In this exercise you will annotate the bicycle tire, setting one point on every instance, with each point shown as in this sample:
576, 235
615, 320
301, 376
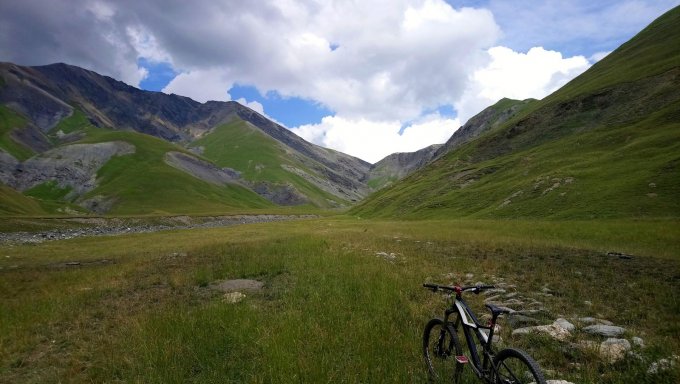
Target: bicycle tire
514, 366
440, 348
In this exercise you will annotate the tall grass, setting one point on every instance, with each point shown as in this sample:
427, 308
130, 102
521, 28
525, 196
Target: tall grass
333, 309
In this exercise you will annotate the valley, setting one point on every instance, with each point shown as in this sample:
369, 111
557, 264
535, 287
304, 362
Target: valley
147, 237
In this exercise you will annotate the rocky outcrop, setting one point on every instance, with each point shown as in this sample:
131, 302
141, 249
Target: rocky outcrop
72, 166
201, 169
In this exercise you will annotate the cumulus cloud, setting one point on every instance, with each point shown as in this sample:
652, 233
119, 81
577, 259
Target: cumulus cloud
376, 63
373, 140
517, 75
202, 85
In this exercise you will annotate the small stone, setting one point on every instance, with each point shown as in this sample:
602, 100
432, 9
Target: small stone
593, 320
588, 303
564, 324
554, 330
663, 365
512, 302
558, 382
233, 297
638, 342
491, 292
469, 276
605, 330
511, 295
614, 349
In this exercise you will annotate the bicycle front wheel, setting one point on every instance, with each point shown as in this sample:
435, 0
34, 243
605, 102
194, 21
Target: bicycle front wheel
440, 348
514, 366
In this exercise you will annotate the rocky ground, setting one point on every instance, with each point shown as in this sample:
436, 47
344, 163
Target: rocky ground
119, 226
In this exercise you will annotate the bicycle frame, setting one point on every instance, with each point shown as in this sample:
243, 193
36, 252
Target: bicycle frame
473, 328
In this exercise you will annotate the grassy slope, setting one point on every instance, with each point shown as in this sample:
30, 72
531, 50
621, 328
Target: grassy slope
142, 183
10, 121
331, 310
14, 203
258, 157
607, 169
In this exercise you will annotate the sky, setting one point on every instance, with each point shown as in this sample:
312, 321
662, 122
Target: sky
366, 77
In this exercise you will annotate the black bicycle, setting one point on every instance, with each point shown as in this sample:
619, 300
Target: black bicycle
444, 354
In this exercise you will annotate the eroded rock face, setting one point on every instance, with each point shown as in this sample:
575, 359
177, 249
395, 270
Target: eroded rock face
201, 169
73, 166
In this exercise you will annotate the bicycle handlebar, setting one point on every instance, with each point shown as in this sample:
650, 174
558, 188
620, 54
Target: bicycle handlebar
476, 289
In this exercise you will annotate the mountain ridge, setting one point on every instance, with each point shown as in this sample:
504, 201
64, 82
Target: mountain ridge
604, 145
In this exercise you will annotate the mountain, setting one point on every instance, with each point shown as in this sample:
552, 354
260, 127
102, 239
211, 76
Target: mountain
77, 140
606, 145
396, 166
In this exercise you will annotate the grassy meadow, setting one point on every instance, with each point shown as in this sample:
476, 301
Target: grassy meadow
342, 300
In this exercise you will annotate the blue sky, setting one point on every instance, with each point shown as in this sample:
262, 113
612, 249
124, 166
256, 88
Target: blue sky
366, 78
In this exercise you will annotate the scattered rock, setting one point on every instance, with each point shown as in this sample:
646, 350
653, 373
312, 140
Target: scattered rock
387, 256
604, 330
554, 330
620, 255
565, 324
614, 350
558, 382
592, 320
491, 292
233, 297
638, 342
662, 365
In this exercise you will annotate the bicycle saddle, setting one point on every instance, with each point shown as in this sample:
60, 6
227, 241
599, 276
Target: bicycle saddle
495, 311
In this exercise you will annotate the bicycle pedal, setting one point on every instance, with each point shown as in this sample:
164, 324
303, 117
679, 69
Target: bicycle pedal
462, 359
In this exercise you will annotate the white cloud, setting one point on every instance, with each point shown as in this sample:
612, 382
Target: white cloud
254, 105
202, 85
373, 140
517, 75
375, 63
597, 56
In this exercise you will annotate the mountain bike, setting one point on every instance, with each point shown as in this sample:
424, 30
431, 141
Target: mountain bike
444, 354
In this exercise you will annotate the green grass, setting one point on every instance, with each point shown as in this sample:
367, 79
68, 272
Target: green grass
609, 172
15, 203
49, 190
9, 121
331, 310
78, 121
258, 157
609, 153
142, 183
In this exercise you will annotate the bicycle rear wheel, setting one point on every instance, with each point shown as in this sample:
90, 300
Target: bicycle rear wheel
514, 366
440, 348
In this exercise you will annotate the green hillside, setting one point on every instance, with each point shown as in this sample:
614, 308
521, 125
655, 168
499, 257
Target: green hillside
14, 203
143, 183
138, 183
259, 158
9, 121
606, 145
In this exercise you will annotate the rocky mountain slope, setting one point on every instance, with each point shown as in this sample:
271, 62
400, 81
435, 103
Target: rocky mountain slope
605, 145
55, 109
399, 165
